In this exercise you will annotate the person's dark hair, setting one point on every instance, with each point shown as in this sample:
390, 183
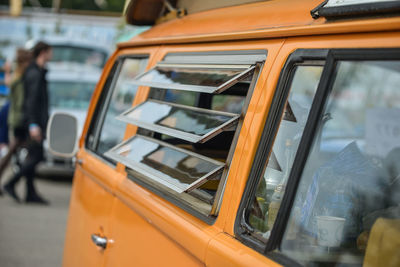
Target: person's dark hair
22, 59
23, 56
39, 48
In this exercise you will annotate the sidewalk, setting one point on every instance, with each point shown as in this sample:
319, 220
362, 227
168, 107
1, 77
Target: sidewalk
32, 235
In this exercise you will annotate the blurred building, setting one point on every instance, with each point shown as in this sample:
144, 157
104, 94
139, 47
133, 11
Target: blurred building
44, 24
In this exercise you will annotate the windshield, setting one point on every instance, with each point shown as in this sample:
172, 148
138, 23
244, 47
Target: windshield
87, 56
69, 94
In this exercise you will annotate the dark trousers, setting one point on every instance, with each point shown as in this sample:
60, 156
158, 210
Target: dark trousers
28, 166
20, 137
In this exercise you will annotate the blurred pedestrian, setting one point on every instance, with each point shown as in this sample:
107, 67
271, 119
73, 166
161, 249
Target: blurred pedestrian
4, 129
17, 132
5, 75
4, 83
36, 114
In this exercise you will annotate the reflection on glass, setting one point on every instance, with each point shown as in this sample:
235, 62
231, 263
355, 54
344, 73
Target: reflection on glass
178, 167
228, 103
190, 76
177, 117
273, 183
347, 207
186, 98
122, 97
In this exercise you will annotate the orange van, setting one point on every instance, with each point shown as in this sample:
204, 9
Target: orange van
256, 133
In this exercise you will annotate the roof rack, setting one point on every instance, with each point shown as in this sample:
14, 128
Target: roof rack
339, 9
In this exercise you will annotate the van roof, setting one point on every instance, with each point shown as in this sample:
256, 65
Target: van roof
276, 18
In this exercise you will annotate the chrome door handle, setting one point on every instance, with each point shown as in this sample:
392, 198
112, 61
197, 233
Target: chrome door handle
99, 241
75, 161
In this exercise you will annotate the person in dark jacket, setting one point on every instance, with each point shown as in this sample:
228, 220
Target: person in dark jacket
36, 115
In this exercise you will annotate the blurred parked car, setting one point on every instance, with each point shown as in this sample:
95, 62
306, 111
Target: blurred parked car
74, 51
70, 89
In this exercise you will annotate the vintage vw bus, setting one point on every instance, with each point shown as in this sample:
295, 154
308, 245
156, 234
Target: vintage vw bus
256, 134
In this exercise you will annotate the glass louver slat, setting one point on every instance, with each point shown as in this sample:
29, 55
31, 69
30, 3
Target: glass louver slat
212, 79
176, 168
195, 125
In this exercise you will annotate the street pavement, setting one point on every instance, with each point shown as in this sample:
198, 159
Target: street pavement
33, 235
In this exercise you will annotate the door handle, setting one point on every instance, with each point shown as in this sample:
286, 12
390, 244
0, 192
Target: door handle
76, 160
99, 241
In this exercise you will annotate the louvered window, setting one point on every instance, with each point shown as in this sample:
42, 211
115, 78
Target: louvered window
186, 147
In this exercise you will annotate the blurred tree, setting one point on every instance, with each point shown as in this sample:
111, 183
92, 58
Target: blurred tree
45, 3
115, 5
79, 5
42, 32
98, 5
28, 31
95, 5
57, 27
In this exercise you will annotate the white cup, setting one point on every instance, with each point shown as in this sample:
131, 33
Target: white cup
330, 230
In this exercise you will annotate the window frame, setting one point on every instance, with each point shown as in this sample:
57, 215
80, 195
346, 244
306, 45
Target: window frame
102, 105
328, 76
308, 57
245, 57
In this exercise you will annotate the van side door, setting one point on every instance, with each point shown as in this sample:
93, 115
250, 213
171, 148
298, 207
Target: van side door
96, 175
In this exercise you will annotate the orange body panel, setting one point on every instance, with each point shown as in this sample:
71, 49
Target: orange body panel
226, 251
90, 206
146, 229
189, 233
138, 242
237, 19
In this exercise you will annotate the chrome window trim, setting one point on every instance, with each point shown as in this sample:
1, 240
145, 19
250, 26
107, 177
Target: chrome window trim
216, 57
194, 138
243, 67
163, 179
107, 101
